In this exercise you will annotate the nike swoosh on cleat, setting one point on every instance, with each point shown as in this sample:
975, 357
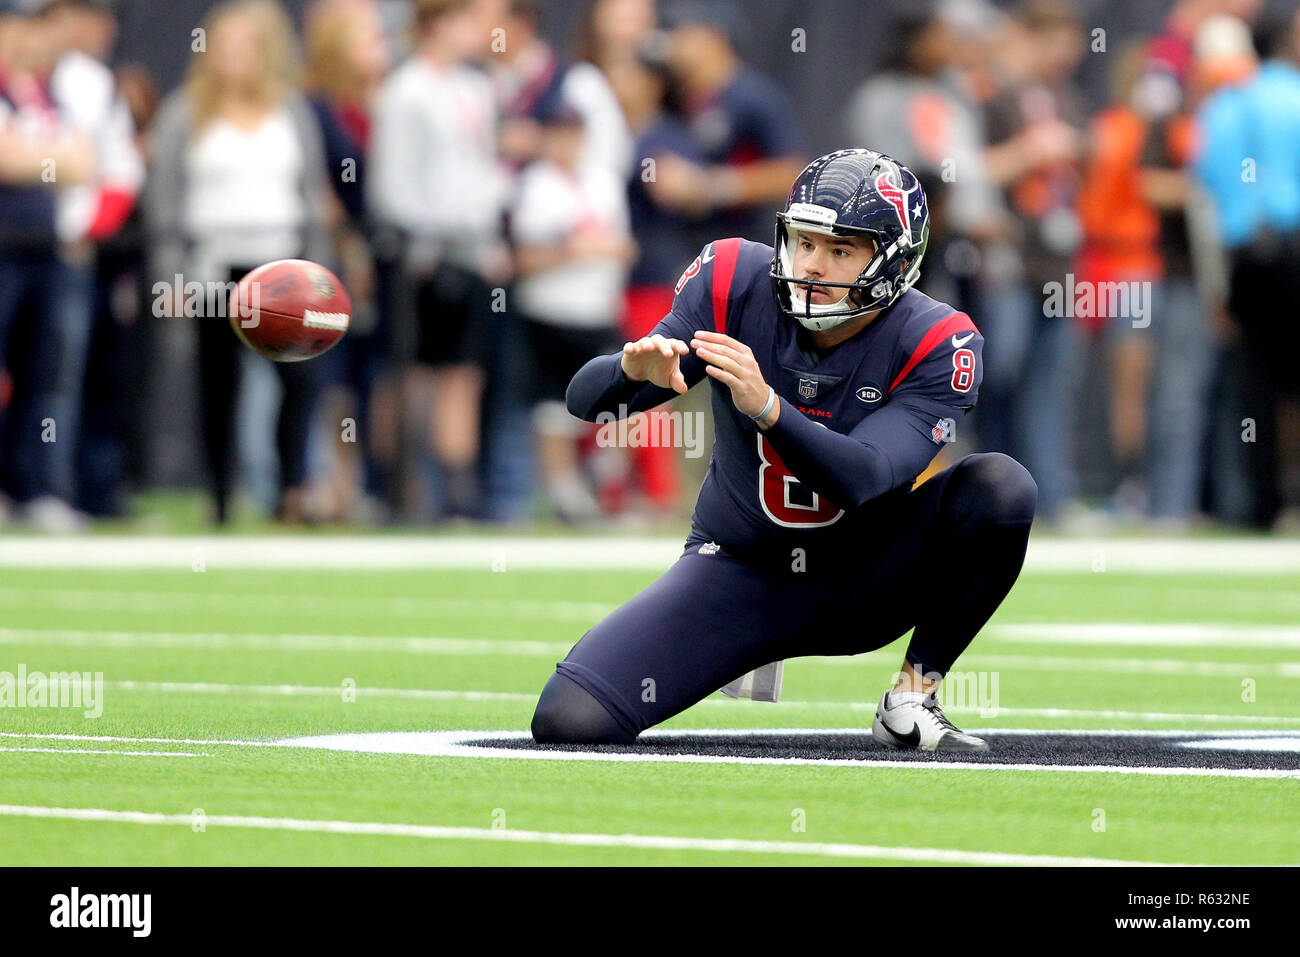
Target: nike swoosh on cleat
910, 740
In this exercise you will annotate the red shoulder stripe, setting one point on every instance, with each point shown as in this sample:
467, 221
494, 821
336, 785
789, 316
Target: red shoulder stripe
725, 254
957, 322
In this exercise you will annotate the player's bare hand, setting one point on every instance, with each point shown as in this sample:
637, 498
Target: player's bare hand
732, 362
657, 360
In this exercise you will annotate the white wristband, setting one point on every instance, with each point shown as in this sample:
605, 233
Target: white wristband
771, 401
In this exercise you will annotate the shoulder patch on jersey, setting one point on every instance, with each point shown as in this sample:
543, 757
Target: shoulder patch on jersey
869, 394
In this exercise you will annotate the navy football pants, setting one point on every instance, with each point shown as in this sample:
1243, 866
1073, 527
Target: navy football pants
710, 618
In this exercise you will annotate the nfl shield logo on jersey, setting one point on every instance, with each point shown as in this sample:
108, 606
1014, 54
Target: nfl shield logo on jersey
807, 388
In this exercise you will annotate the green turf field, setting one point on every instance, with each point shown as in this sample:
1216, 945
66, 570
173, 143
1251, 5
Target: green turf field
201, 671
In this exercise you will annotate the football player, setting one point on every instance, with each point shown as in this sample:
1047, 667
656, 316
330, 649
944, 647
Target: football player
834, 385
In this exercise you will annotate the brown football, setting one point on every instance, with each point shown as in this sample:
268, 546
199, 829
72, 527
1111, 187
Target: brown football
290, 310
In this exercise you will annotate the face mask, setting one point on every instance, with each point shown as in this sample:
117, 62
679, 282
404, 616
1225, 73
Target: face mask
817, 317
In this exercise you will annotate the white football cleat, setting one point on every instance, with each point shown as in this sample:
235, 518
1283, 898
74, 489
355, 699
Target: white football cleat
912, 720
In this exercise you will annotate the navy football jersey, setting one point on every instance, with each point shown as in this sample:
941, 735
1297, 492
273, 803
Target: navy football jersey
859, 421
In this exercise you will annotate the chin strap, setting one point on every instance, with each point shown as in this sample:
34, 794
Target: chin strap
816, 309
826, 316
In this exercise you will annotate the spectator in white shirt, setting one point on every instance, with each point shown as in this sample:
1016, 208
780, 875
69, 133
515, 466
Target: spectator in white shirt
433, 177
574, 249
238, 180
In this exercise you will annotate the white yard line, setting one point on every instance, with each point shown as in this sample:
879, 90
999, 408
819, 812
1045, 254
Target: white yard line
130, 754
931, 855
1186, 634
85, 638
1164, 556
465, 553
1177, 598
492, 647
324, 691
1199, 635
1112, 715
438, 694
1134, 666
462, 744
110, 738
1156, 556
360, 605
1104, 714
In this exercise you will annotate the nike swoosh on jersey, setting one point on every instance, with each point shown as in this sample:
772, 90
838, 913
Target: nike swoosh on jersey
707, 255
958, 343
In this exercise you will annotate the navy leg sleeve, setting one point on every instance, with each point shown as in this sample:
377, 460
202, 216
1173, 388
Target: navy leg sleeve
568, 714
707, 620
985, 509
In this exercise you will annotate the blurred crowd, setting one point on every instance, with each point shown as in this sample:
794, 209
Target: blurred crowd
501, 210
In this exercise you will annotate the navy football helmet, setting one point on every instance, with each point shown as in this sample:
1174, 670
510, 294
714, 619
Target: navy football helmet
854, 192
